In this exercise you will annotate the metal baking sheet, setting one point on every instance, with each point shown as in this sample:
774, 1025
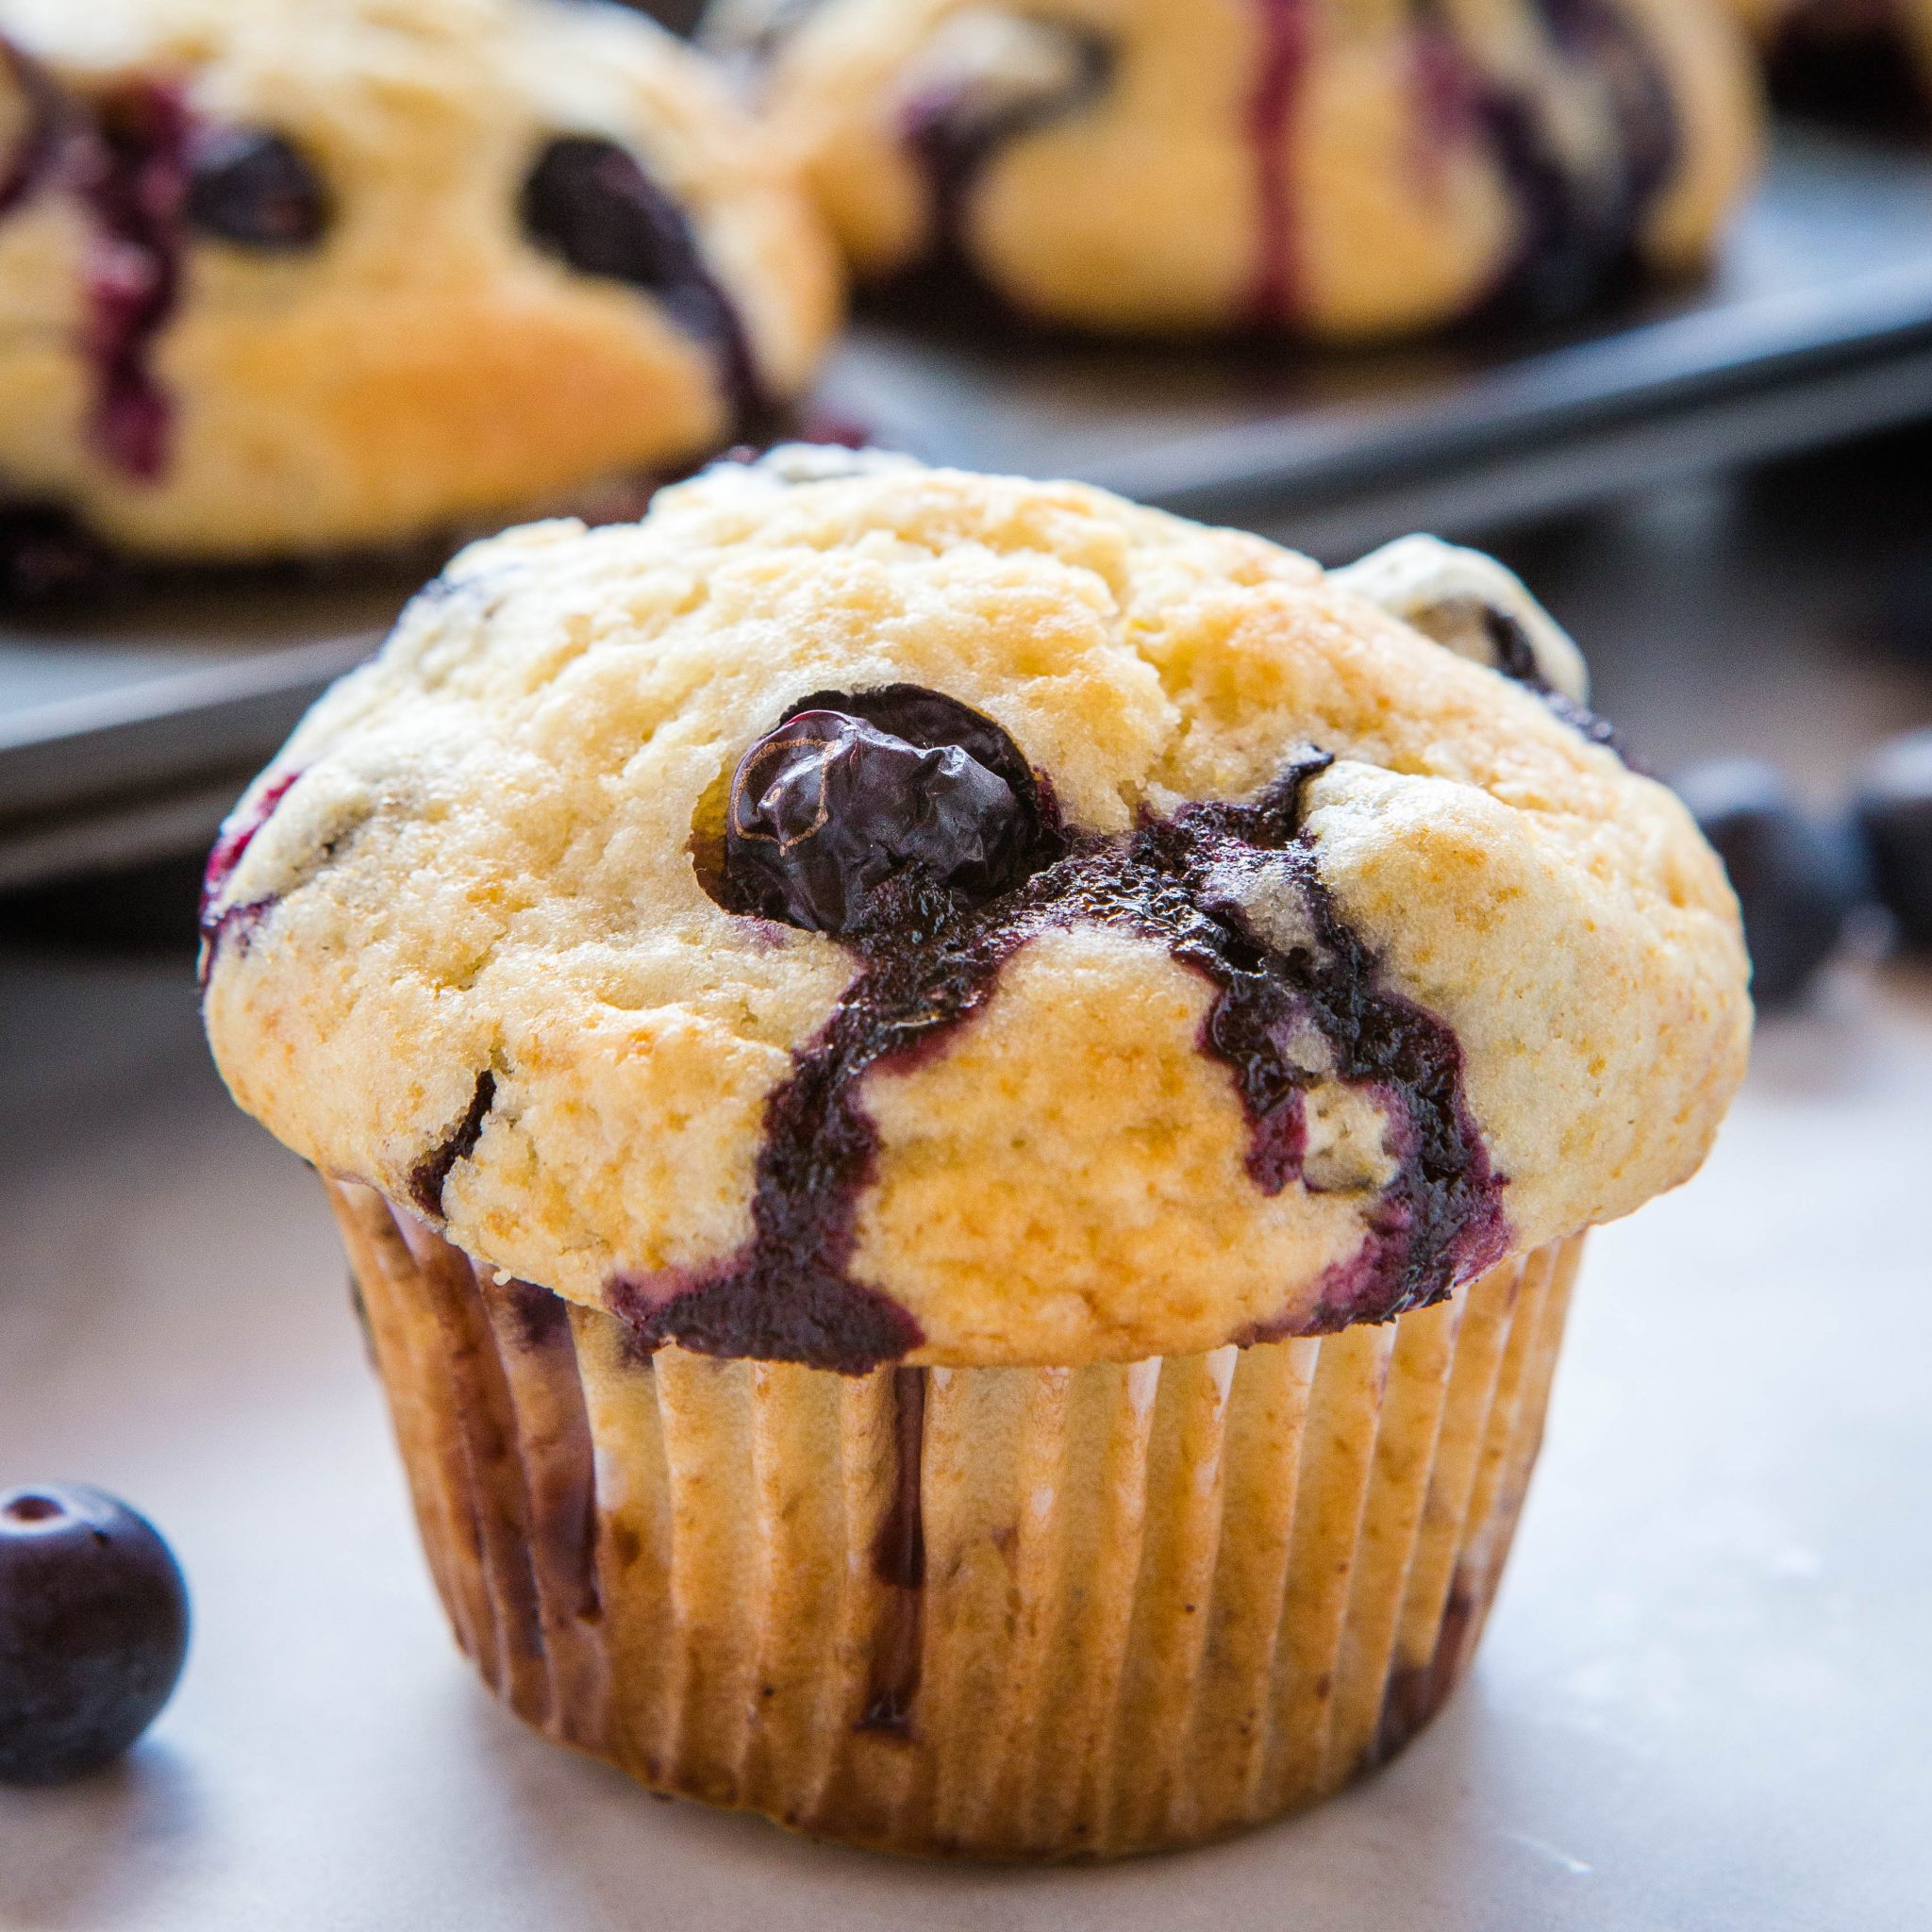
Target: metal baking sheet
121, 736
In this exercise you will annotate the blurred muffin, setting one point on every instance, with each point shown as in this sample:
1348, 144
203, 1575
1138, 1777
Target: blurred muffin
1330, 170
286, 277
965, 1114
1857, 60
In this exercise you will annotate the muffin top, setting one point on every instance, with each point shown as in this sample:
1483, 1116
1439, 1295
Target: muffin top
864, 912
1338, 168
287, 276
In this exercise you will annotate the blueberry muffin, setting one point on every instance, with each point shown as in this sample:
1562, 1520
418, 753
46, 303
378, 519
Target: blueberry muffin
1326, 169
293, 276
1859, 60
965, 1114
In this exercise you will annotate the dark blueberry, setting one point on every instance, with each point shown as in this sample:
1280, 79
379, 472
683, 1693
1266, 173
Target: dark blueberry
589, 203
831, 805
961, 121
46, 124
93, 1630
1895, 813
257, 190
1797, 877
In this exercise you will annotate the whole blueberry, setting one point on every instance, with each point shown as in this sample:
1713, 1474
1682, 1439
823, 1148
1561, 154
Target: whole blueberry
1895, 813
1798, 876
829, 808
93, 1630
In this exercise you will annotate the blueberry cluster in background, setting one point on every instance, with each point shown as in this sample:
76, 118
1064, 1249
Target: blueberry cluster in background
1802, 876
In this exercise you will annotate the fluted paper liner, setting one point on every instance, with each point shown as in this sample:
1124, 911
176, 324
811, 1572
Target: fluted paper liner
1010, 1612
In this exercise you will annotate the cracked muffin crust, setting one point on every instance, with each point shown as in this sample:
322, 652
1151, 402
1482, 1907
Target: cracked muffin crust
303, 275
1327, 169
869, 913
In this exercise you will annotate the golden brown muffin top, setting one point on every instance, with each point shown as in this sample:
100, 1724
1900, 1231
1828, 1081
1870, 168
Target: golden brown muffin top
864, 912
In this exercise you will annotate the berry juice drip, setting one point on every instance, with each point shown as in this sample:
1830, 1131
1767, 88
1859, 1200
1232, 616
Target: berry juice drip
1276, 296
899, 1564
135, 187
930, 957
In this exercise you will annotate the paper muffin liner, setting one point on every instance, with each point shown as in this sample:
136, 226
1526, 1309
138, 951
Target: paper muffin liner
1005, 1612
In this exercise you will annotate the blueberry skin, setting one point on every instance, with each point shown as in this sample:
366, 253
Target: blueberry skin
829, 808
257, 190
93, 1631
1798, 876
1894, 814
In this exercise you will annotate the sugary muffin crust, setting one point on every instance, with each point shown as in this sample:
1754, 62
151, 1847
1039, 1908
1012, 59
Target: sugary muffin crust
1242, 962
297, 275
1335, 168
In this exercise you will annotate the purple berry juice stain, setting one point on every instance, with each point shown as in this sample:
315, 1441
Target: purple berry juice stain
134, 181
930, 950
1276, 296
231, 848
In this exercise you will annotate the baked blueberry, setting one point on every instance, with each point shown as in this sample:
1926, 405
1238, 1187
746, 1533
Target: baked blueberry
256, 188
1894, 814
589, 203
93, 1630
829, 808
1798, 876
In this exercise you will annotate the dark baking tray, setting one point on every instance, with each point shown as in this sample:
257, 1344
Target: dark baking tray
120, 737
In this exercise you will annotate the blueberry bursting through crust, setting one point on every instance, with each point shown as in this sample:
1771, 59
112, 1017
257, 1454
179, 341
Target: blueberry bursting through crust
913, 829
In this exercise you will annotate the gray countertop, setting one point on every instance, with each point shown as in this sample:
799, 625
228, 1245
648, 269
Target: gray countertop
1705, 1700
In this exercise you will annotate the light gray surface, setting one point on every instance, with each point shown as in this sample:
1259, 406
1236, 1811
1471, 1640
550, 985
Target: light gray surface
1704, 1702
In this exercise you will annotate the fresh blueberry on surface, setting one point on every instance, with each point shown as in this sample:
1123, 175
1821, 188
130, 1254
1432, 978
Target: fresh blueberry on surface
829, 807
1798, 876
93, 1630
256, 188
1895, 813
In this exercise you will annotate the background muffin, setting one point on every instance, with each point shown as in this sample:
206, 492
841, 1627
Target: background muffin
965, 1114
300, 275
1183, 165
